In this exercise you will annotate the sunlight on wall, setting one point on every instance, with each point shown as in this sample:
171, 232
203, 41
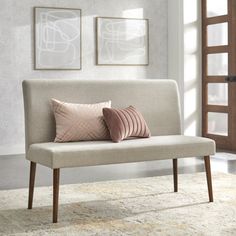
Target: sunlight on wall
190, 11
190, 130
190, 103
190, 68
133, 13
190, 36
192, 74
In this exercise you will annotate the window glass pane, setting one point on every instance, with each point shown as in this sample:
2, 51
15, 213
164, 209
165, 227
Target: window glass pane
218, 94
217, 7
217, 64
217, 34
218, 123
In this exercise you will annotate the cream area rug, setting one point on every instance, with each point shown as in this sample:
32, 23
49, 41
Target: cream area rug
145, 206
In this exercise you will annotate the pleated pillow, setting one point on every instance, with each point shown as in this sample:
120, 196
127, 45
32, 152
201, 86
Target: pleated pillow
124, 123
77, 122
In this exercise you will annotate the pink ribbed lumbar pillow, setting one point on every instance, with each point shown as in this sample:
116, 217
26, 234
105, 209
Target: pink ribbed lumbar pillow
76, 122
124, 123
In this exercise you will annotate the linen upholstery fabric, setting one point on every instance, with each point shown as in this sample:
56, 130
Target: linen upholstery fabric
76, 122
88, 153
124, 123
157, 100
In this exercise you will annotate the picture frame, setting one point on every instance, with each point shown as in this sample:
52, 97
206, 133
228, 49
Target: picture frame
122, 41
57, 38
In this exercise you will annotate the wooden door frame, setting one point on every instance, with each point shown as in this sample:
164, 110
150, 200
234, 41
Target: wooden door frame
224, 142
232, 71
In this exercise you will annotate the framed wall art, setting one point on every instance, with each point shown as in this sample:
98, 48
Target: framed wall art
57, 38
122, 41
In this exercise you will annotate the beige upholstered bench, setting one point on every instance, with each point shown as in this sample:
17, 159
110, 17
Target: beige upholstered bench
158, 101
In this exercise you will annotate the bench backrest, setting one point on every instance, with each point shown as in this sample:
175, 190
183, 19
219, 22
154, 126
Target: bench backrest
157, 100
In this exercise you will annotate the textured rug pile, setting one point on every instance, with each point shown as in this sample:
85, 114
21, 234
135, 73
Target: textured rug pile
145, 206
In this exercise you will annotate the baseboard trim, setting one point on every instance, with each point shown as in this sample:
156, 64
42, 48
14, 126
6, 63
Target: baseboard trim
12, 150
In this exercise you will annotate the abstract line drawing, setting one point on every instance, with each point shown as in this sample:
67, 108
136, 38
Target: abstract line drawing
122, 41
57, 38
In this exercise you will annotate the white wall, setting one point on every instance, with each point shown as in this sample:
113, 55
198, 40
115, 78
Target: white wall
176, 46
184, 59
16, 63
192, 67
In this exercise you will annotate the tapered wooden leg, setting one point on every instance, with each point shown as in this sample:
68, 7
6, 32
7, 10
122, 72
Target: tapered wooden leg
31, 184
175, 174
208, 176
56, 177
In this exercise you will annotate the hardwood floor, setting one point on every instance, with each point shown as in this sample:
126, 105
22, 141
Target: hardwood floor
14, 170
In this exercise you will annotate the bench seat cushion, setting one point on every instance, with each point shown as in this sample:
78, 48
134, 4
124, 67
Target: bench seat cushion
88, 153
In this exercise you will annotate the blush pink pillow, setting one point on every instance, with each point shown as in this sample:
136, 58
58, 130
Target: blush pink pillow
76, 122
124, 123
